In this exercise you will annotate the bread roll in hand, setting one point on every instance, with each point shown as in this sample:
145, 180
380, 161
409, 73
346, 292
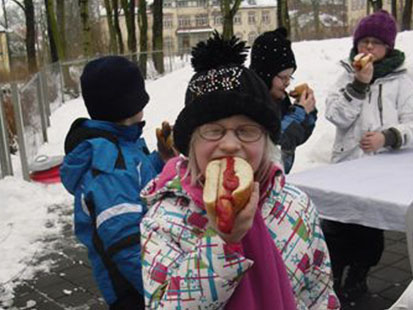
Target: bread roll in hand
298, 90
228, 186
361, 60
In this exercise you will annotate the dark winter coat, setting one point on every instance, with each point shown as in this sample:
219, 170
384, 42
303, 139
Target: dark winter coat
296, 127
105, 167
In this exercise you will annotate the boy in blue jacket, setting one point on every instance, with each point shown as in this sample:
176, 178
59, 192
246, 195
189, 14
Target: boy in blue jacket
106, 165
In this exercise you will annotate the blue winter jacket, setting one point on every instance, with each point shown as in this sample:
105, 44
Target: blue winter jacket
106, 175
296, 127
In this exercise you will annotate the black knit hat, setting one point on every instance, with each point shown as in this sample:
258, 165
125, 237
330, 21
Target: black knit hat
223, 87
113, 89
271, 53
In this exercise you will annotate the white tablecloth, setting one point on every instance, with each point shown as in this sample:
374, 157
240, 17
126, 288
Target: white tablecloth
373, 191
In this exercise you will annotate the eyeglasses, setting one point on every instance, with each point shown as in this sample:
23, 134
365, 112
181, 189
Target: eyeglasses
285, 78
245, 133
374, 42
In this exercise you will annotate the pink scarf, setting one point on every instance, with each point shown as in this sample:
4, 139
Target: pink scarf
266, 285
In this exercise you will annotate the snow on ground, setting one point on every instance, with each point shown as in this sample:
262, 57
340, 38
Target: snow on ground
25, 208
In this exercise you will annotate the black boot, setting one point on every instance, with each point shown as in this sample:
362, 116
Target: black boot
355, 285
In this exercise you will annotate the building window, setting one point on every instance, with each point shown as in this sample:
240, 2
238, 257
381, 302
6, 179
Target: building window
184, 21
217, 19
201, 3
168, 43
251, 37
251, 18
167, 3
168, 21
201, 20
237, 19
266, 17
182, 3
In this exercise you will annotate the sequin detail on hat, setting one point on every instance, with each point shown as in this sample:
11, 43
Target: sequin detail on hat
216, 79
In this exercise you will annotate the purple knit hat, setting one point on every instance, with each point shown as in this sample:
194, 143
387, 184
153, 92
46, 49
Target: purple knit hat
380, 25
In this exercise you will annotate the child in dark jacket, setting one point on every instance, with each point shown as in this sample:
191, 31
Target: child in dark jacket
273, 60
106, 165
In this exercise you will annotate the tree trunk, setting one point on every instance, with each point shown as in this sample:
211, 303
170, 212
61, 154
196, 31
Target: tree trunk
407, 15
118, 32
283, 16
111, 28
56, 45
376, 5
53, 49
394, 8
61, 24
143, 36
30, 36
157, 39
129, 11
228, 14
84, 16
316, 14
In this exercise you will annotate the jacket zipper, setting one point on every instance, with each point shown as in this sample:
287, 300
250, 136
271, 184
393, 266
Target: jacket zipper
380, 104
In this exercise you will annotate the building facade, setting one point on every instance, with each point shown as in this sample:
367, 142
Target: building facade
186, 22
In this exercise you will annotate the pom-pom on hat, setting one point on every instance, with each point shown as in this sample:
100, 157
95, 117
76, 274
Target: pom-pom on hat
271, 53
380, 25
113, 88
223, 87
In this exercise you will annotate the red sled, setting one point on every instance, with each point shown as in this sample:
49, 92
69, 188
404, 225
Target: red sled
46, 169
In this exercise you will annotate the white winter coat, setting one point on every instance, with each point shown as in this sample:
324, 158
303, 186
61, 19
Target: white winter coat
388, 103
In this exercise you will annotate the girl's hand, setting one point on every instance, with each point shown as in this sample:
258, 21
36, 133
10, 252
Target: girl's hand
307, 100
243, 220
372, 141
365, 74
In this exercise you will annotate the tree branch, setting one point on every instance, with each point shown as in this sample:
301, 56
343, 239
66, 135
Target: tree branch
20, 5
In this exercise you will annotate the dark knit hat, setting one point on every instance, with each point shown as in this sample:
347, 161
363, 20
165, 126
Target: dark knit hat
113, 88
380, 25
223, 87
271, 53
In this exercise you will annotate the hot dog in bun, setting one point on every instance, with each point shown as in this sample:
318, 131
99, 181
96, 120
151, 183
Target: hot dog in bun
361, 60
298, 90
228, 186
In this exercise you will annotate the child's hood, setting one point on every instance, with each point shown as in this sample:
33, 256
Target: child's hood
92, 145
170, 181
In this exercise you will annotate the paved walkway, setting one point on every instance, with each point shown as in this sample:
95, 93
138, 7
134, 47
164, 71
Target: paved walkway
69, 284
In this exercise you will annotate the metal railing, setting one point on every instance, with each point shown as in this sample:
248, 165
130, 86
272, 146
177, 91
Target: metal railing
35, 100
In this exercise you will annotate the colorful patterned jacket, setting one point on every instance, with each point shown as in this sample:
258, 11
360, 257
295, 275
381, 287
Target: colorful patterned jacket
186, 265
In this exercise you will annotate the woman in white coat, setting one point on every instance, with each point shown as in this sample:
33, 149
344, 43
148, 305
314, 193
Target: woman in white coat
372, 109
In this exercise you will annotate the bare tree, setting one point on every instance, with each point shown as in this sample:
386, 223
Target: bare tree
28, 8
61, 23
56, 42
112, 35
118, 32
376, 5
129, 10
143, 36
157, 37
84, 16
228, 12
394, 8
316, 15
407, 15
282, 15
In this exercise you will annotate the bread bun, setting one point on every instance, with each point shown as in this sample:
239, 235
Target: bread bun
164, 134
228, 187
298, 90
361, 60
